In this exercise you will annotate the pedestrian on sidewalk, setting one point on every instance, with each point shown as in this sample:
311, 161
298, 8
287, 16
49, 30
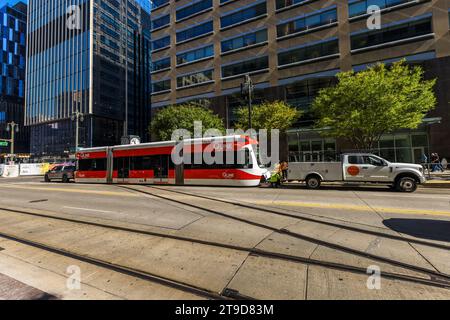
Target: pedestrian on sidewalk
435, 163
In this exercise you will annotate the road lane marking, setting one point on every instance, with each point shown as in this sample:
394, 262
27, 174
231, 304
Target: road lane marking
87, 209
106, 193
282, 203
352, 207
403, 197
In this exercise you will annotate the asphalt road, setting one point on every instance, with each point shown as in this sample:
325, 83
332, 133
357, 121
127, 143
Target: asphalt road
364, 205
423, 215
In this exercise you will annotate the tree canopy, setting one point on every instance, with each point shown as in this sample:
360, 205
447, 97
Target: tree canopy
268, 115
365, 105
167, 120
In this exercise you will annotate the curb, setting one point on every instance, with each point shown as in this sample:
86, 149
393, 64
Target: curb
441, 185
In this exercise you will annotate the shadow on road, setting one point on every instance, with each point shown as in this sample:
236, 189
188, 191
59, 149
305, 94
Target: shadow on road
421, 228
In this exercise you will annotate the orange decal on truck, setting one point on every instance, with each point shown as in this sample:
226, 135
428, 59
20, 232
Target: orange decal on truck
353, 170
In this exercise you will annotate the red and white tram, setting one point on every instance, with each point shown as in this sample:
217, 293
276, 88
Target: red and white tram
152, 163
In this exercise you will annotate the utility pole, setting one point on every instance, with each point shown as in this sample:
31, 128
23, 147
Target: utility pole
125, 124
247, 87
77, 117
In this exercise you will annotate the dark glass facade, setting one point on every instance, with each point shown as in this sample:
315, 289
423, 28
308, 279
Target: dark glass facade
13, 20
195, 32
195, 55
305, 23
397, 32
243, 15
243, 41
248, 66
78, 54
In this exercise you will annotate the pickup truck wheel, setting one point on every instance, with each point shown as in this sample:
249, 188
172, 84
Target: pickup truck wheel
65, 178
406, 184
46, 178
312, 182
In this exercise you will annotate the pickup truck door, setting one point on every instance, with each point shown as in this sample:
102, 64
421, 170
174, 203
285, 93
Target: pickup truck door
376, 169
354, 168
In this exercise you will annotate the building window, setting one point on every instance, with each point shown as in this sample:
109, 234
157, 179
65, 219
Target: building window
161, 43
159, 3
311, 150
391, 34
161, 64
281, 4
310, 52
301, 95
358, 8
194, 32
244, 41
306, 23
161, 86
243, 15
161, 22
193, 9
244, 67
194, 55
195, 78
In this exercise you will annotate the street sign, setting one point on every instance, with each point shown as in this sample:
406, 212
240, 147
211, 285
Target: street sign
3, 143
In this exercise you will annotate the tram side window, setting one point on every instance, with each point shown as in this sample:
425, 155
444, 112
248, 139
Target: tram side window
150, 162
92, 165
231, 160
141, 163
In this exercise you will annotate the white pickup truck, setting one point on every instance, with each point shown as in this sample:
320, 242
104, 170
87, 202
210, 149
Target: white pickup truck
358, 168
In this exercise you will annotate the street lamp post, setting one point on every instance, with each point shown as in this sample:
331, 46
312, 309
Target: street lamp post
14, 128
77, 117
247, 87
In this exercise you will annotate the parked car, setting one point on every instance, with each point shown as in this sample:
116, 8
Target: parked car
359, 168
63, 173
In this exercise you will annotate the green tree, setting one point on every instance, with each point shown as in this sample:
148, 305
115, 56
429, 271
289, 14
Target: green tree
182, 117
268, 115
365, 105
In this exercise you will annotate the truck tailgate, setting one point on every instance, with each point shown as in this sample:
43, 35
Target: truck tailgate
330, 171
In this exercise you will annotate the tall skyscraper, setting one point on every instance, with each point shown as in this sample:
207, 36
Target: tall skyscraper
13, 18
78, 51
202, 49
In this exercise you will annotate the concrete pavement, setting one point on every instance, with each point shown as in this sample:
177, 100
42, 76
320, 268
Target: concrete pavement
217, 268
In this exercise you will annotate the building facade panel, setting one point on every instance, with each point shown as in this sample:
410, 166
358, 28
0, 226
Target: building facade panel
293, 48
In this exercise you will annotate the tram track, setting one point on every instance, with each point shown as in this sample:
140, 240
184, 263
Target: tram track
432, 280
310, 219
141, 274
435, 275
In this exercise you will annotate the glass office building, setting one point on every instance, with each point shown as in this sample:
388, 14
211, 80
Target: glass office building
13, 18
77, 54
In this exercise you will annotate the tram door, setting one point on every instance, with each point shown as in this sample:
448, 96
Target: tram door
161, 168
123, 169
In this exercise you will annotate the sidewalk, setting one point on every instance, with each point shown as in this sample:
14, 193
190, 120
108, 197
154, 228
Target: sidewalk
437, 179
